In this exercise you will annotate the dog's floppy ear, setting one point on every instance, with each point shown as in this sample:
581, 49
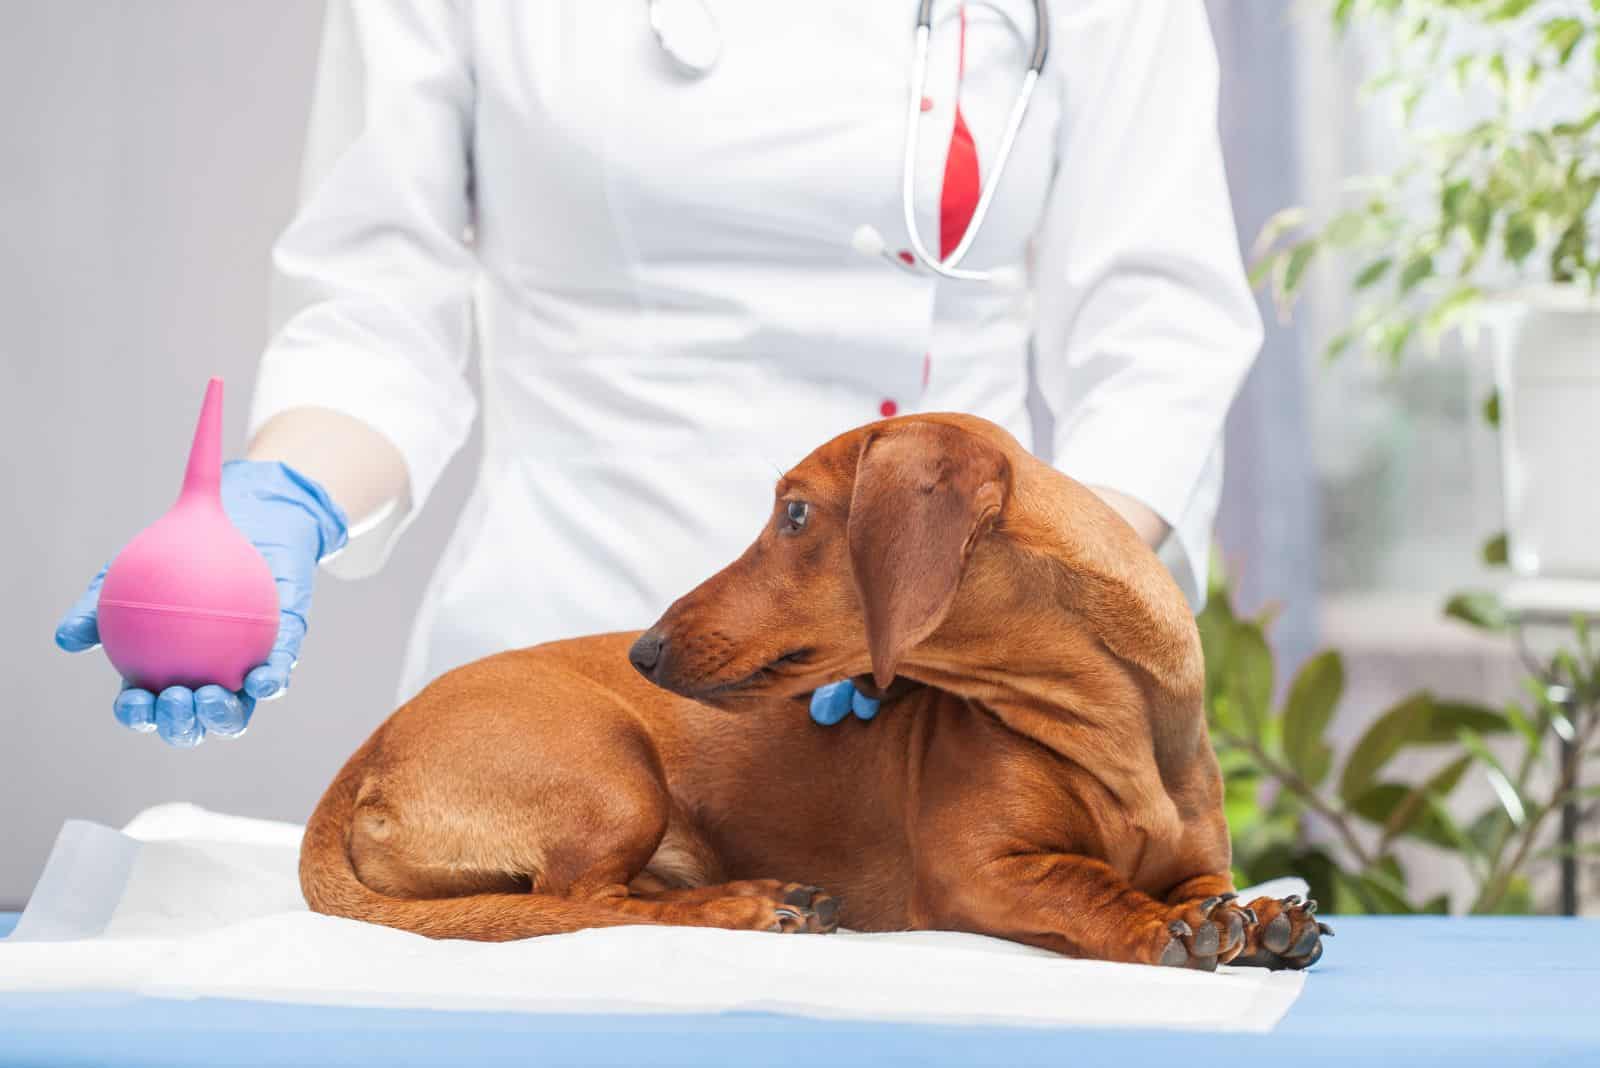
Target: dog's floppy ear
923, 492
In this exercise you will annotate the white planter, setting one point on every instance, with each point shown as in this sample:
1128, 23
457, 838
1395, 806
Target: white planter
1546, 347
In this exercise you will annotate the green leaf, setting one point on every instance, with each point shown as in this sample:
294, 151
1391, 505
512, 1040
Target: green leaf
1338, 345
1579, 128
1402, 809
1219, 599
1486, 832
1446, 718
1510, 799
1351, 897
1312, 697
1382, 888
1319, 763
1494, 550
1522, 724
1480, 608
1510, 9
1248, 685
1294, 271
1479, 218
1373, 272
1395, 337
1578, 849
1278, 225
1345, 229
1216, 628
1418, 269
1418, 720
1520, 238
1497, 68
1262, 269
1451, 309
1563, 35
1491, 408
1383, 803
1440, 820
1401, 725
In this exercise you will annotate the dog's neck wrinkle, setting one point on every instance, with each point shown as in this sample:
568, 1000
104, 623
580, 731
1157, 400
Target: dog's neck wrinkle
1077, 730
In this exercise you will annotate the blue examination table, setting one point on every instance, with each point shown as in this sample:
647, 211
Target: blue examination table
1423, 990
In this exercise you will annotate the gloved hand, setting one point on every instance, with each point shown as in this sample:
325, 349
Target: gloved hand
292, 522
835, 701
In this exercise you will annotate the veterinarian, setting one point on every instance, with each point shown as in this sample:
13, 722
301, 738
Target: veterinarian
675, 232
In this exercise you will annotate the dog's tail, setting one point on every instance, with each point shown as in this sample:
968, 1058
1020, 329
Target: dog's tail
331, 886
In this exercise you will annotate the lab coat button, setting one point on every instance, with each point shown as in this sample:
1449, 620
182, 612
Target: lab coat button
888, 408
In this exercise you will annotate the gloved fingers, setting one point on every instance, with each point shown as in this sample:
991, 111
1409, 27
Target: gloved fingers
176, 720
135, 709
831, 703
79, 629
223, 712
863, 706
270, 680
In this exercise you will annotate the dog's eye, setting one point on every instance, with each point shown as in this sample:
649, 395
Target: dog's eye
795, 514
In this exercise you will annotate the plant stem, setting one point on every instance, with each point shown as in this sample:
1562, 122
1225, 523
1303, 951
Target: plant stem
1530, 759
1307, 793
1495, 887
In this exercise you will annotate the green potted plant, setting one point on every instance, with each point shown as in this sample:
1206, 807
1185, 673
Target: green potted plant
1490, 226
1339, 822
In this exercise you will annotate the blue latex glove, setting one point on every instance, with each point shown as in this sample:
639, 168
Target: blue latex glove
835, 701
294, 524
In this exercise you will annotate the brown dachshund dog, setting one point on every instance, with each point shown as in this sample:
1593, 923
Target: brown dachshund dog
1039, 770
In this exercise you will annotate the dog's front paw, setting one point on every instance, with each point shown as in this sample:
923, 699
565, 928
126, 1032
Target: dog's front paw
1200, 934
1284, 933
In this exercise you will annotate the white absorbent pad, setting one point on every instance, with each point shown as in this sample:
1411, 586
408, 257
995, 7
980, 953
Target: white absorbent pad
186, 903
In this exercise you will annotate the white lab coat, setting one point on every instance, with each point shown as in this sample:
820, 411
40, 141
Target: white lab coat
658, 274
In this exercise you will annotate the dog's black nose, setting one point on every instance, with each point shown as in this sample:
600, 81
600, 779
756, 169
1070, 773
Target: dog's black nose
646, 652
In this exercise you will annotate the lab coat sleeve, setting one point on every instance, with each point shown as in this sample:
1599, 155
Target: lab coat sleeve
372, 280
1146, 323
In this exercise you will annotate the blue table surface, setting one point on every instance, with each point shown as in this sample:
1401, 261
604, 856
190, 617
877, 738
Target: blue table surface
1389, 990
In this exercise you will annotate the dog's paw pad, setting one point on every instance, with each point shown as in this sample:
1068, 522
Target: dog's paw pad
806, 908
1285, 934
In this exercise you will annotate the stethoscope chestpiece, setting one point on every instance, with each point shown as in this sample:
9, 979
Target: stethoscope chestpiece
688, 33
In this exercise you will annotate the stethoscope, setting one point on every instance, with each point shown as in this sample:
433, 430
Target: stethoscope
689, 35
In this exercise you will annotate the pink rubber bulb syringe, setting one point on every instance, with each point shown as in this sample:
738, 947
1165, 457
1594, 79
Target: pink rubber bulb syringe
189, 601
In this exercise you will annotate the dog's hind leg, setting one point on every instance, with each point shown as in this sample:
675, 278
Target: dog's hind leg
685, 871
465, 819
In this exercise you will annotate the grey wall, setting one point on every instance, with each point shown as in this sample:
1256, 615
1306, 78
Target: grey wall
148, 155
